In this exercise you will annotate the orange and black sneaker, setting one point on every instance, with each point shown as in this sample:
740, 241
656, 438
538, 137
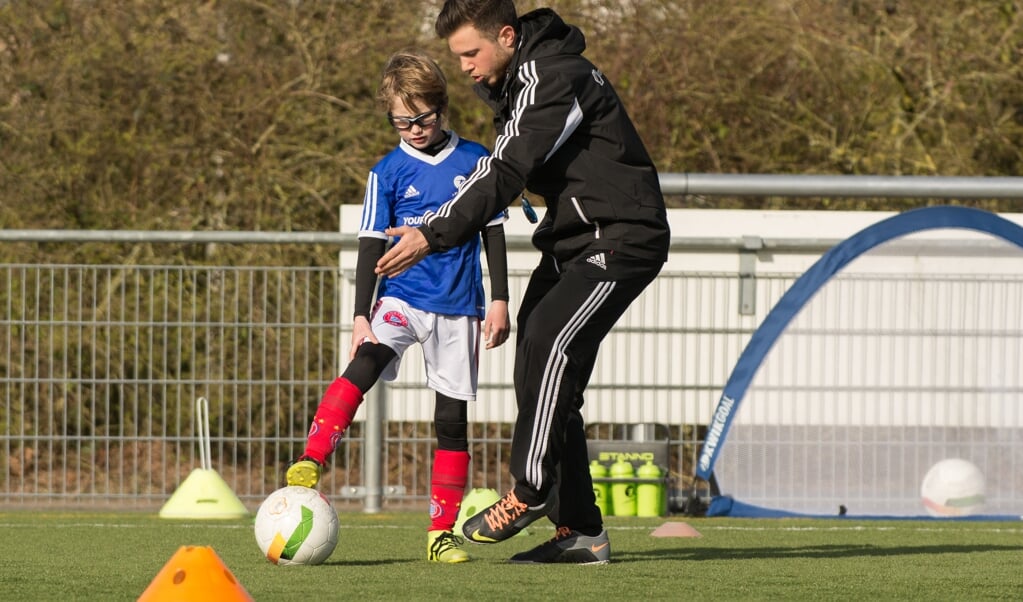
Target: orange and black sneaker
504, 518
568, 546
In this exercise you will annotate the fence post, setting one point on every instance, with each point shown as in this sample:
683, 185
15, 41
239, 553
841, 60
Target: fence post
373, 452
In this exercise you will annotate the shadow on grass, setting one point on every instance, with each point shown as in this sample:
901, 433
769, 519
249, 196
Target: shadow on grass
374, 562
823, 551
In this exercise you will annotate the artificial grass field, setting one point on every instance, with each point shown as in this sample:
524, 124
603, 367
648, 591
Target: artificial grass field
94, 556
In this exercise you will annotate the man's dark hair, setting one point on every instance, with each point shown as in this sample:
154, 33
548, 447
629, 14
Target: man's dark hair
487, 16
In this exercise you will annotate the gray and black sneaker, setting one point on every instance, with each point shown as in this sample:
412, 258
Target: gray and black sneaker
504, 518
568, 546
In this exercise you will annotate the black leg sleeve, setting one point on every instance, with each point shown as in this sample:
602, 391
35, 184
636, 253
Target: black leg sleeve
450, 418
369, 363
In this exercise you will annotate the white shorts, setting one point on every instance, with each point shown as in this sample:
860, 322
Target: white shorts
451, 345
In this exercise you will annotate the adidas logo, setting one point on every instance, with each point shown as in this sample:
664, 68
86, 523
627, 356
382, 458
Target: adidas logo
598, 260
411, 192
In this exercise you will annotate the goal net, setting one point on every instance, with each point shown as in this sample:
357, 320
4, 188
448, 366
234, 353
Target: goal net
860, 379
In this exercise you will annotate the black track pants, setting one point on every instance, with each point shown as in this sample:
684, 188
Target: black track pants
565, 313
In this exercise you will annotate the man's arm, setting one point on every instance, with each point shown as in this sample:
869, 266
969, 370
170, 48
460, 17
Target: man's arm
546, 114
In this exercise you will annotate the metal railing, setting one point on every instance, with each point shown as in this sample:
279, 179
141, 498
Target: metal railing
101, 364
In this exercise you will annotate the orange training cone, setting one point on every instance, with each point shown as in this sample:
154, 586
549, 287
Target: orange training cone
195, 573
675, 529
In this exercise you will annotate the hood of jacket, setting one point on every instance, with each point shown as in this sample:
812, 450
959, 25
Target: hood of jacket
542, 33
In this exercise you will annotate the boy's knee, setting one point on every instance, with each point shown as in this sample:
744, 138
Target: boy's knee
451, 423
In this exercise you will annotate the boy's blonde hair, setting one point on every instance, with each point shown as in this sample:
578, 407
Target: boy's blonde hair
411, 76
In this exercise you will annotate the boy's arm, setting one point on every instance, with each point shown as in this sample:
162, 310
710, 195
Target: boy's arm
496, 326
370, 251
496, 248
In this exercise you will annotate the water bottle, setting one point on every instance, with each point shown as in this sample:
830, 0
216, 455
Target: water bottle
649, 496
601, 490
623, 493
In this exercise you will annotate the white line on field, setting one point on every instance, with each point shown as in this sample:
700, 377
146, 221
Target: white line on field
36, 525
703, 527
858, 528
706, 527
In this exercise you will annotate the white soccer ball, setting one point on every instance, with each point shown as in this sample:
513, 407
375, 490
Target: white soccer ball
296, 525
953, 487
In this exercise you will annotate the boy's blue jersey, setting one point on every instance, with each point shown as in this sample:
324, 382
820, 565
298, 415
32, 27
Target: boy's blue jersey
401, 188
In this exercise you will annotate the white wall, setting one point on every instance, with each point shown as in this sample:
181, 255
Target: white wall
933, 315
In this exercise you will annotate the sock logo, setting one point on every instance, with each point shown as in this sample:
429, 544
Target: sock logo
436, 510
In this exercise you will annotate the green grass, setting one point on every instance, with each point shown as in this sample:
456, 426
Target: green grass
90, 556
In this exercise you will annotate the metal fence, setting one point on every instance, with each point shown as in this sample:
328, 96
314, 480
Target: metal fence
100, 367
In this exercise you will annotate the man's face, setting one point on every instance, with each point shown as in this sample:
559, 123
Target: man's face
483, 59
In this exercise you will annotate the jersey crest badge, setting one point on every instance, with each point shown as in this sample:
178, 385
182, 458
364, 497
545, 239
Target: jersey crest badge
396, 318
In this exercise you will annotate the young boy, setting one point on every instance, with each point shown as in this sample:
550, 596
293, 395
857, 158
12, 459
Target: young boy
438, 304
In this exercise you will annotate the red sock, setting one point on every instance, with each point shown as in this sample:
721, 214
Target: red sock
447, 485
335, 412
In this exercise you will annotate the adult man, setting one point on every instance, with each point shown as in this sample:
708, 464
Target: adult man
563, 134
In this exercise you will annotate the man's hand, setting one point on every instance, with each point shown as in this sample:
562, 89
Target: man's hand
409, 250
496, 327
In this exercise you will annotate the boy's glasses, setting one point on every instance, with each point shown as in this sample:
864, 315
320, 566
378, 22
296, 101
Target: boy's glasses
423, 120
